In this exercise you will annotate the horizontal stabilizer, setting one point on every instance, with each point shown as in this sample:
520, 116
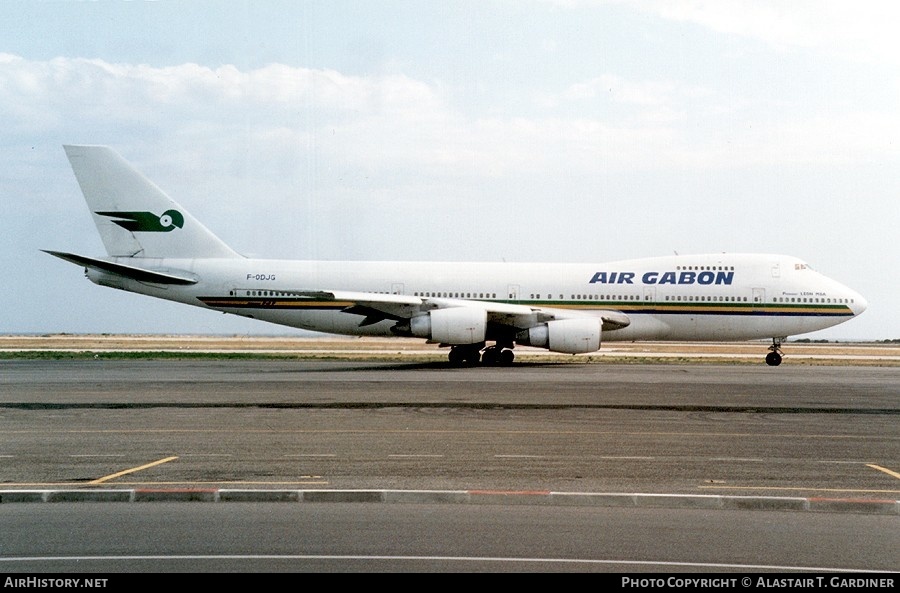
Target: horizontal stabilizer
135, 273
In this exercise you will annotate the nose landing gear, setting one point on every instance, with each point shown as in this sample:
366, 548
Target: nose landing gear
773, 358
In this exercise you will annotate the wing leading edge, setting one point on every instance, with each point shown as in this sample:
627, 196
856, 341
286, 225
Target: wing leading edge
376, 307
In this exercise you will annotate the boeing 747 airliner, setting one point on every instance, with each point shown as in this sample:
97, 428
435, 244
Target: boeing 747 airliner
481, 311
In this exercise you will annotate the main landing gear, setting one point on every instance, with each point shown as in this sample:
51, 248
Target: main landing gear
498, 355
773, 358
472, 354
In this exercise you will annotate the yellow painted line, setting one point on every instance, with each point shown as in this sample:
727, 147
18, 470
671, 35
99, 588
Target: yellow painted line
883, 469
132, 470
311, 481
158, 484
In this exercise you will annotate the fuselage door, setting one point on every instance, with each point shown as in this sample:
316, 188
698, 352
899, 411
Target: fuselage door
397, 288
759, 297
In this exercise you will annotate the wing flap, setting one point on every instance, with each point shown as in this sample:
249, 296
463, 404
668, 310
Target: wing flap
612, 319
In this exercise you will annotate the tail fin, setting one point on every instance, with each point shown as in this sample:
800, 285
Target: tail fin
134, 217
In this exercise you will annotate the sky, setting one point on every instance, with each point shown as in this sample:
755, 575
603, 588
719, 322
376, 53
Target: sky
487, 130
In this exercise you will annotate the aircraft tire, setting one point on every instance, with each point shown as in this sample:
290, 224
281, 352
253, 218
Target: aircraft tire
456, 357
464, 355
490, 356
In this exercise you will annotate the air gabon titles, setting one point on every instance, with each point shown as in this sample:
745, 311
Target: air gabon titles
705, 277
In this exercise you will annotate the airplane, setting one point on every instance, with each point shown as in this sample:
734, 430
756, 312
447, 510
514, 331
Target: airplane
480, 310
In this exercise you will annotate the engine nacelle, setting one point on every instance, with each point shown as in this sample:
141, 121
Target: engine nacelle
571, 336
456, 325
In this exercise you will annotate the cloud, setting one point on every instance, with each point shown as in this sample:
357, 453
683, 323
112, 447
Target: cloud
367, 125
99, 89
366, 122
622, 91
863, 31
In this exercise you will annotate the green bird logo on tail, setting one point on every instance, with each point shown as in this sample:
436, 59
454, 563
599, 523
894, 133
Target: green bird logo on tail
147, 222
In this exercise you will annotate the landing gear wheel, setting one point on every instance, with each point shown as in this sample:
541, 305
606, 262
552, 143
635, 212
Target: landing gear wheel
773, 358
506, 357
460, 355
456, 357
491, 355
473, 355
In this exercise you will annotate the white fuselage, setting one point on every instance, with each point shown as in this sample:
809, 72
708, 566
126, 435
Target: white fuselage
716, 297
155, 247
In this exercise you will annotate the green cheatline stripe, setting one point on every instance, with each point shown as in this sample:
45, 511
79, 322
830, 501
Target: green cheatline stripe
274, 303
777, 309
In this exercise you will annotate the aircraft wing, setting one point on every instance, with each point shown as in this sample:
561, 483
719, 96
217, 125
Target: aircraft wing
377, 307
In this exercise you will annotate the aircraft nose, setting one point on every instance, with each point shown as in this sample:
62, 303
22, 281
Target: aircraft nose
858, 304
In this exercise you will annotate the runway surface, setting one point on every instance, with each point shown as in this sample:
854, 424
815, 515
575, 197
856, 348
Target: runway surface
412, 466
825, 435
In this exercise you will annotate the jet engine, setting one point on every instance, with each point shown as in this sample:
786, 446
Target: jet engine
571, 336
456, 325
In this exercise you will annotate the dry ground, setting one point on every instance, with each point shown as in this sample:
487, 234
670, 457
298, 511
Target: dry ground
337, 347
